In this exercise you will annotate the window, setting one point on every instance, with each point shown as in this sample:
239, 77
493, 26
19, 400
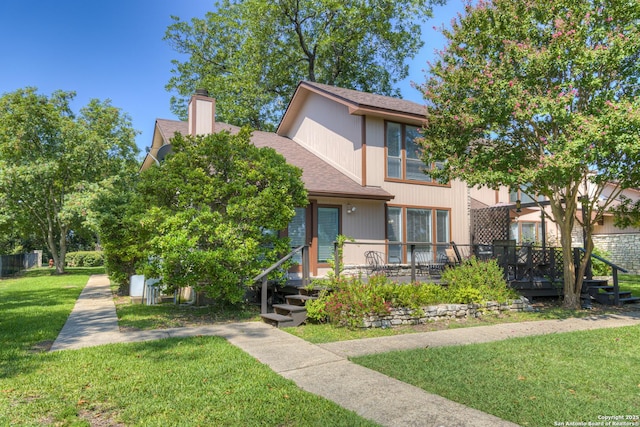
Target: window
424, 227
526, 232
419, 230
404, 154
394, 233
328, 230
522, 194
297, 231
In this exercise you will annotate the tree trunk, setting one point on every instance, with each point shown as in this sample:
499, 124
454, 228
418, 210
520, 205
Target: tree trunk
565, 218
58, 252
63, 251
571, 297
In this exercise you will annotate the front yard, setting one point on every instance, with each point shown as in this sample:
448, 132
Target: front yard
533, 381
187, 382
536, 381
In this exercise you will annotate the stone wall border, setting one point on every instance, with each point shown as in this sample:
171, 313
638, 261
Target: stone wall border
434, 313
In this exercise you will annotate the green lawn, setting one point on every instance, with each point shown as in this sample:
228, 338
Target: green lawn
196, 381
205, 381
535, 381
630, 282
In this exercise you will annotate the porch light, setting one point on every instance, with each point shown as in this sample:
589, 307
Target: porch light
350, 209
518, 206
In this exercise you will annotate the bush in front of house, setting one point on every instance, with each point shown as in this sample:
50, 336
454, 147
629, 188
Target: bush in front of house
352, 299
477, 281
84, 259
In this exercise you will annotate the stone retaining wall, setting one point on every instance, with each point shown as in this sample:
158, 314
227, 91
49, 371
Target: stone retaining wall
623, 249
408, 316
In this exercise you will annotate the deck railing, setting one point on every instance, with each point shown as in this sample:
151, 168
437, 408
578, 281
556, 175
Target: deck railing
519, 262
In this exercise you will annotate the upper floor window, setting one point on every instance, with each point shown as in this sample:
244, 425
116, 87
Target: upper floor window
404, 155
523, 195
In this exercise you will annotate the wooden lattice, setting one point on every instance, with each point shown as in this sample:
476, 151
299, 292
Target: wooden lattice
489, 224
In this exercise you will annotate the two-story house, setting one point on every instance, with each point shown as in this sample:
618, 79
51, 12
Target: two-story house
362, 170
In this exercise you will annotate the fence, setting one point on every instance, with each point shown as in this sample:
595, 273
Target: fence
11, 265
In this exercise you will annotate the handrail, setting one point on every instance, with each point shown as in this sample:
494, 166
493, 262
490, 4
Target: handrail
609, 263
263, 276
278, 263
614, 271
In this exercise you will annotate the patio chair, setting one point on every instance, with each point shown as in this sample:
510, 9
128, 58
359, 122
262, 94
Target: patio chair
450, 257
375, 263
423, 261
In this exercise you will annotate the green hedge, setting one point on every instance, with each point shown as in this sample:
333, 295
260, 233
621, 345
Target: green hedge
84, 259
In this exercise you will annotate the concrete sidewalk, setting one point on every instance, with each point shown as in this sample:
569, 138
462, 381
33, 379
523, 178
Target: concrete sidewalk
325, 369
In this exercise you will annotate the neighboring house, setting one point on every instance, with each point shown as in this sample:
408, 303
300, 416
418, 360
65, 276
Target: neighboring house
361, 168
622, 245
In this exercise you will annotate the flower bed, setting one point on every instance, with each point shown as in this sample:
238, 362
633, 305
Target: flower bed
434, 313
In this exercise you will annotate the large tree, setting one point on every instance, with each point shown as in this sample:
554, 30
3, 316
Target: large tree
251, 54
213, 209
541, 95
51, 160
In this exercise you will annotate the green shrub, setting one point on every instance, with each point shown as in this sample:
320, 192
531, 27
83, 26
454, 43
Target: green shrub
84, 259
316, 309
599, 268
352, 300
348, 305
465, 295
484, 276
417, 295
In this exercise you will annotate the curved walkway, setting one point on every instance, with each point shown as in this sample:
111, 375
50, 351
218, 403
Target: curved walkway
372, 395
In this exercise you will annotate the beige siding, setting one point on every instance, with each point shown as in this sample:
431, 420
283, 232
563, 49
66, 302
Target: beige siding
365, 224
326, 129
375, 151
609, 228
455, 198
487, 195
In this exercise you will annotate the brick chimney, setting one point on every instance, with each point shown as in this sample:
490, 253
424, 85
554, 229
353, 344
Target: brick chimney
202, 113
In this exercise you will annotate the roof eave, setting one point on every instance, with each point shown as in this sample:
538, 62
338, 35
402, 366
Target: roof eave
354, 108
382, 197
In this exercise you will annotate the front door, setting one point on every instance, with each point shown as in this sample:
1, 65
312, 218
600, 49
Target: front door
324, 223
328, 228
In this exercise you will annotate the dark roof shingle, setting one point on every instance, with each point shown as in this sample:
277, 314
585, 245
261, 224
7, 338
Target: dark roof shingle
371, 100
319, 177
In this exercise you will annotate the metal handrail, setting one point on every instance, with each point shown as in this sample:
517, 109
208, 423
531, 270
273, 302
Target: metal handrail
265, 273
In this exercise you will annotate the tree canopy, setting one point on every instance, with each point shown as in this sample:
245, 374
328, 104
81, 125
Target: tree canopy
251, 54
212, 211
51, 160
542, 95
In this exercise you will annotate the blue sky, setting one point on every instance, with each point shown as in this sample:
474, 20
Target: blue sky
115, 49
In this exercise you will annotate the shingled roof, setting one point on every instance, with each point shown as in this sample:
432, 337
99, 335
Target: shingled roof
357, 103
318, 176
369, 100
